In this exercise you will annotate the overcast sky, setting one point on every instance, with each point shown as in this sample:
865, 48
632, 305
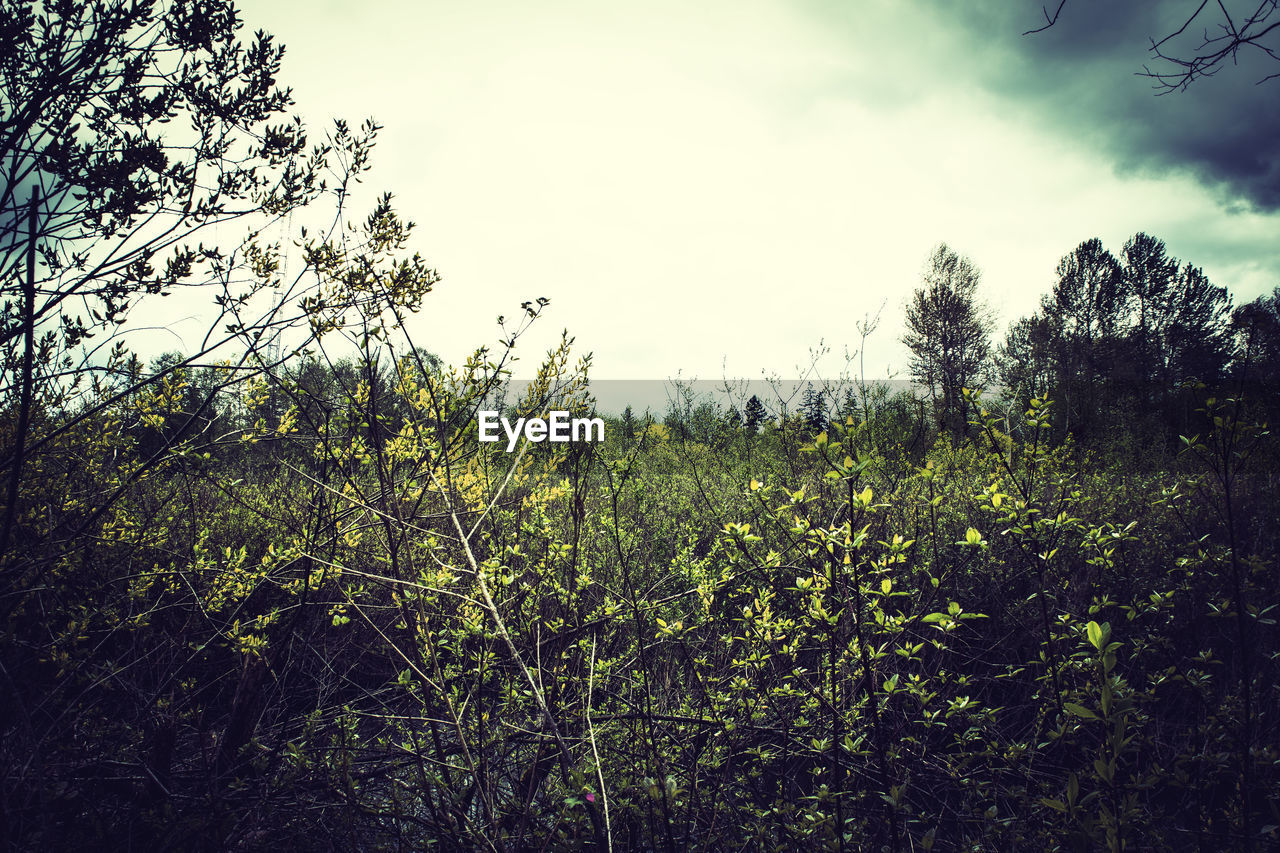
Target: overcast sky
716, 187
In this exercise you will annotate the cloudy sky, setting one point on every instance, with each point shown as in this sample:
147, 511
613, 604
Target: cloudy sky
717, 187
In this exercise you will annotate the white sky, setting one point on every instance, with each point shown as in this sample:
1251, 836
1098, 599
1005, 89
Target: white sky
716, 188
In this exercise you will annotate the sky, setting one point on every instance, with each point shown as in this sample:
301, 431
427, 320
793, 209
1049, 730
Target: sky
718, 189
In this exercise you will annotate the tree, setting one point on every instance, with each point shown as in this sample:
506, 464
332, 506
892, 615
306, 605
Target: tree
1026, 364
1087, 310
130, 130
710, 425
754, 415
1117, 338
1253, 30
813, 409
1178, 319
948, 333
1256, 330
1088, 296
1197, 340
1149, 277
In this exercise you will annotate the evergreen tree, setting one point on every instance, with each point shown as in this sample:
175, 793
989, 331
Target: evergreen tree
754, 415
813, 410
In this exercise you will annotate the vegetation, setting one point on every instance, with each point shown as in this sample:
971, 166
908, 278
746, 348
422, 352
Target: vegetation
949, 334
273, 592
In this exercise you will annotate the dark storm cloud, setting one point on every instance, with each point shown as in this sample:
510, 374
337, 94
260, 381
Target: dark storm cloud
1084, 75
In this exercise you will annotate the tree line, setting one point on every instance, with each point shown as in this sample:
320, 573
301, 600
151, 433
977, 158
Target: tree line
1129, 344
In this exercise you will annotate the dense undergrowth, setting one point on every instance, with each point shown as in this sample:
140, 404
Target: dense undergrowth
334, 620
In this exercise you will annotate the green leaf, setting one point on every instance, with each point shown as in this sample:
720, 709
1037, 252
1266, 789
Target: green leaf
1079, 710
1097, 634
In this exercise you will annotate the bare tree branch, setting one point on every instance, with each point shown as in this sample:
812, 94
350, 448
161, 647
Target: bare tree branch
1221, 43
